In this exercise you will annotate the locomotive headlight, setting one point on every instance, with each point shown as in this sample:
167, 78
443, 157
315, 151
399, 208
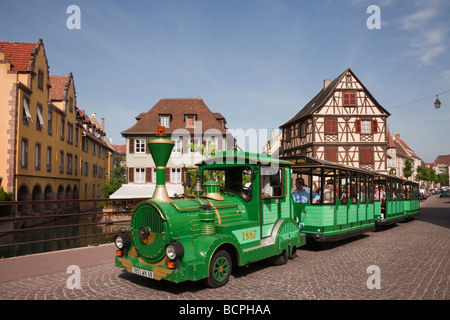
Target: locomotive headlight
171, 252
174, 250
123, 240
119, 242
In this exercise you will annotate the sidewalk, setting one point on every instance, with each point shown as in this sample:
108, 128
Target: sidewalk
56, 261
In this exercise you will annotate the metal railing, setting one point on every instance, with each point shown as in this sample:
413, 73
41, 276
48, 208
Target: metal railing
41, 226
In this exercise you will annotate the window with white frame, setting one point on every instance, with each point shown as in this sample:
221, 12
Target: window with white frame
164, 120
139, 146
37, 156
26, 112
175, 176
194, 145
24, 153
177, 146
49, 158
154, 175
366, 126
40, 122
213, 143
139, 175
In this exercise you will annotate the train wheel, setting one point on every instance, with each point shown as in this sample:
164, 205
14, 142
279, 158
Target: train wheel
219, 269
280, 259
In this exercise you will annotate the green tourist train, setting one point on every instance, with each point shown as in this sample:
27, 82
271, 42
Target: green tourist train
249, 207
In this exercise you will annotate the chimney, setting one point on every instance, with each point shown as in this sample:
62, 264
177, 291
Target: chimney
326, 82
397, 136
103, 124
93, 114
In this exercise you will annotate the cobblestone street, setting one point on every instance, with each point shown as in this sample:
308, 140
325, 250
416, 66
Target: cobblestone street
413, 259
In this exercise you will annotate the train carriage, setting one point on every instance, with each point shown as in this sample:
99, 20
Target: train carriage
399, 200
341, 200
350, 201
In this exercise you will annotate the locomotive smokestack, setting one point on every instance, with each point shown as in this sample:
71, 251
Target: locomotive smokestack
160, 148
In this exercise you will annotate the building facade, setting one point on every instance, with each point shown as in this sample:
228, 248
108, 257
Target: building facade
343, 123
197, 132
44, 155
397, 153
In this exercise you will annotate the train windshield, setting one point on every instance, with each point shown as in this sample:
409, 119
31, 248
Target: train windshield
235, 179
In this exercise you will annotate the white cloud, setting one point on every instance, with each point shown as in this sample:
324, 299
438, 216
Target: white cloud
426, 56
418, 19
426, 31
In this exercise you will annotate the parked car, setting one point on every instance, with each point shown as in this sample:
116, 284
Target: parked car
444, 193
423, 194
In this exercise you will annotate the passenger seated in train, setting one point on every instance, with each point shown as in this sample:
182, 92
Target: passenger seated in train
349, 191
379, 195
328, 192
302, 193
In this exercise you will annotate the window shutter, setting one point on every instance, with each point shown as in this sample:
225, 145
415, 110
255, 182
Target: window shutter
131, 147
366, 155
148, 175
358, 125
130, 175
331, 154
352, 99
330, 126
167, 175
374, 126
346, 99
349, 99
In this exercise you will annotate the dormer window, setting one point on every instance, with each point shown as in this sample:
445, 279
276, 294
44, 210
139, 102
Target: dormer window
190, 120
164, 120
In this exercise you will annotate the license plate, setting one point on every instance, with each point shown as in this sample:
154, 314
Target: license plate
142, 272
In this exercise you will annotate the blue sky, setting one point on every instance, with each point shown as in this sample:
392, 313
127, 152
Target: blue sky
258, 62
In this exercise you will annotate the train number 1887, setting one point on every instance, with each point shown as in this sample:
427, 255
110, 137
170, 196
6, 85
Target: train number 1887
248, 235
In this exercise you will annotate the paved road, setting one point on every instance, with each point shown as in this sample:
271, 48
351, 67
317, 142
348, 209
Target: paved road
411, 262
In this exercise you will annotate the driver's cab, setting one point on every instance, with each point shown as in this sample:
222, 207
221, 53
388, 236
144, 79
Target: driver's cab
260, 181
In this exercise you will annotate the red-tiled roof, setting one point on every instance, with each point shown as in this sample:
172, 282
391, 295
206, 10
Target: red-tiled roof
443, 159
147, 123
58, 84
391, 143
18, 53
402, 147
122, 149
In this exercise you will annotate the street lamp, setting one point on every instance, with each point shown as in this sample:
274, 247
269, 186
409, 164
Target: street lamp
437, 103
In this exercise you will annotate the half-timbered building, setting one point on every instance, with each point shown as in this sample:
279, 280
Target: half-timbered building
343, 123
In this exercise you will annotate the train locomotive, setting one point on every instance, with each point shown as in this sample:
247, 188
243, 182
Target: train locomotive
246, 213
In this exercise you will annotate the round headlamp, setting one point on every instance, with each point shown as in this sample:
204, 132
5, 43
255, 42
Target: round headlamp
174, 250
122, 240
119, 242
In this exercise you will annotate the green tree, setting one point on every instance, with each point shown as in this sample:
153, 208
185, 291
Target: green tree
408, 168
422, 174
116, 180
